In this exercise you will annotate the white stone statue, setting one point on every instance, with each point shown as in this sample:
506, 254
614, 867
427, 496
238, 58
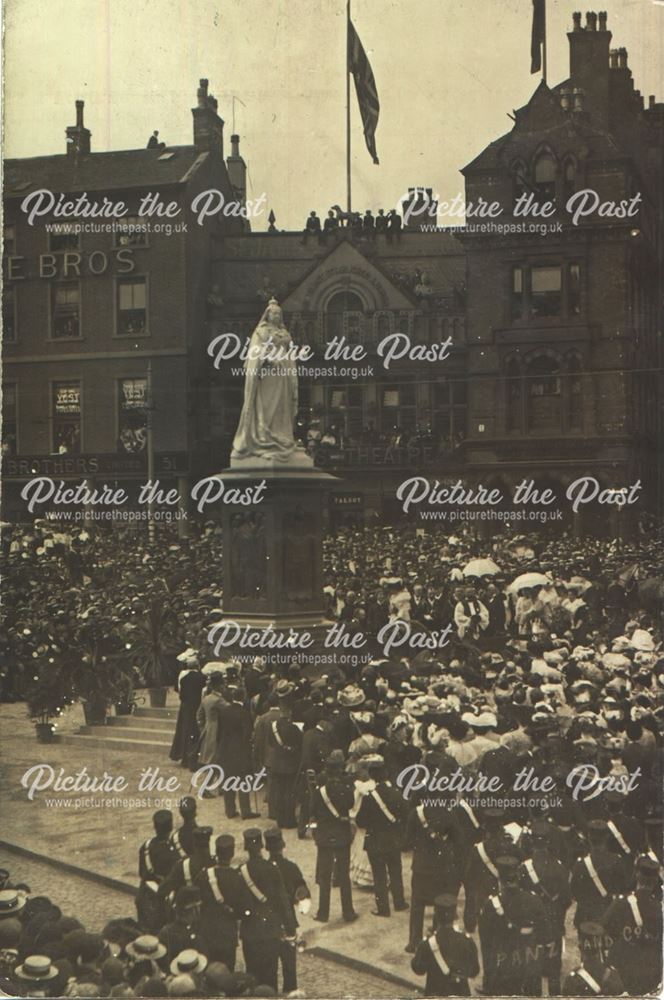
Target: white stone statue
265, 430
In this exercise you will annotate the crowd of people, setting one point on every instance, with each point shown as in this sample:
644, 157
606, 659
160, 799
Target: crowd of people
367, 226
549, 667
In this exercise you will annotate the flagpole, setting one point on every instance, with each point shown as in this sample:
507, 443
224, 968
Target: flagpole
544, 44
348, 189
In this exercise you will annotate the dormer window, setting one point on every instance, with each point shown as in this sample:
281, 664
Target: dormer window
520, 177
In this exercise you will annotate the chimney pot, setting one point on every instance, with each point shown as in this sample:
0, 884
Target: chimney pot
79, 113
651, 101
613, 57
602, 20
622, 58
578, 99
202, 93
576, 17
591, 21
235, 145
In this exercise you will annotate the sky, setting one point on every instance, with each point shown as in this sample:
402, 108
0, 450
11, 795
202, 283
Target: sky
448, 73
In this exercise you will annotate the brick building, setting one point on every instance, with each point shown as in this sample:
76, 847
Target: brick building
85, 313
553, 358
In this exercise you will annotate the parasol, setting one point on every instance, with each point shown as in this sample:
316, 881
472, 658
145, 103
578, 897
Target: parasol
528, 580
481, 567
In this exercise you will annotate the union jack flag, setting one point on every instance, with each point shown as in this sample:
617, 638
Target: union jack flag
365, 88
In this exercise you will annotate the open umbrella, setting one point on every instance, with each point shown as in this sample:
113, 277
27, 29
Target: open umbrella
528, 580
481, 567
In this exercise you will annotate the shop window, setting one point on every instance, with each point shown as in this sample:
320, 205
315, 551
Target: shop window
66, 417
9, 419
132, 307
65, 310
132, 415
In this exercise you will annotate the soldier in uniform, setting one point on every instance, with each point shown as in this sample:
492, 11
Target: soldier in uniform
596, 878
185, 870
298, 894
184, 931
285, 749
480, 877
380, 814
448, 957
225, 900
271, 917
182, 838
548, 879
156, 857
594, 977
626, 836
331, 803
514, 935
431, 834
316, 747
634, 924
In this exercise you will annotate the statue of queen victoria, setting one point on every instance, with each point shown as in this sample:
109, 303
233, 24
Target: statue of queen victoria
265, 430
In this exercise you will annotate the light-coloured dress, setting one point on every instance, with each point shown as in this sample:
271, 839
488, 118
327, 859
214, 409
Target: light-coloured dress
268, 412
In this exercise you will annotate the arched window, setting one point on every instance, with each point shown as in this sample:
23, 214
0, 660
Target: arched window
514, 397
575, 395
345, 317
520, 184
543, 386
545, 178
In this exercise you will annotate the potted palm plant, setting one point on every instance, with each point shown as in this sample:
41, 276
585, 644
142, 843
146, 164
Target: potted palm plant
153, 646
99, 667
47, 695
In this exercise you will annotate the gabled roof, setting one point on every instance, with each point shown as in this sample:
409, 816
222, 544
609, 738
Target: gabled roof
542, 121
127, 168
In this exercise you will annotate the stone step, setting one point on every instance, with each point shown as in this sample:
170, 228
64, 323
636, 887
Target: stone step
128, 732
155, 713
140, 722
117, 742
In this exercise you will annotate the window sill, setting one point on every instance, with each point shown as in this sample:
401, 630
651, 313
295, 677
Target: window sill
64, 340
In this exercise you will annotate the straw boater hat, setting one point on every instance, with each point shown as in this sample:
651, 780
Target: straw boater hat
11, 902
188, 961
146, 946
36, 968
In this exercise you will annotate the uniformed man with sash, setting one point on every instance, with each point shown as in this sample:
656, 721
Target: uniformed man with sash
380, 814
448, 957
185, 870
514, 934
596, 878
594, 977
548, 879
270, 919
331, 803
156, 857
299, 897
481, 874
225, 900
431, 834
633, 922
182, 839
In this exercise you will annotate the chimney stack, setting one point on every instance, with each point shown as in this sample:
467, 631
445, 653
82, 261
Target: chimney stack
237, 173
208, 126
622, 59
78, 136
589, 63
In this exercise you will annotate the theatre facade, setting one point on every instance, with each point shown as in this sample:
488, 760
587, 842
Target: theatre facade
488, 354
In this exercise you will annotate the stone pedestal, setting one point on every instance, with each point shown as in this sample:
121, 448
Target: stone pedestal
273, 550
